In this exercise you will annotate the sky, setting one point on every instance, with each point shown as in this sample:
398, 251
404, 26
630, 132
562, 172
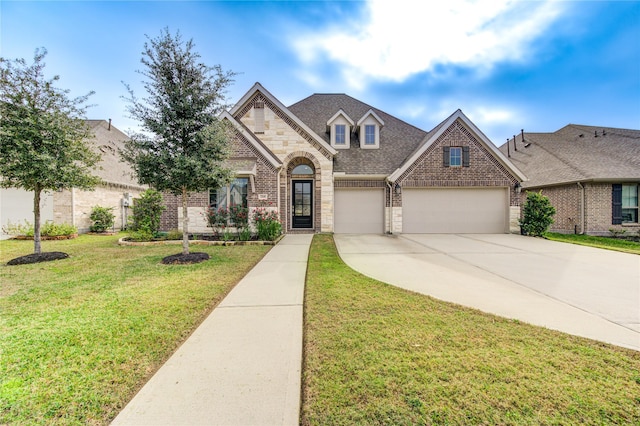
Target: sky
508, 65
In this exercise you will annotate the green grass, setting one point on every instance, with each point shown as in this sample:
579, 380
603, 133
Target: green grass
599, 242
80, 336
376, 354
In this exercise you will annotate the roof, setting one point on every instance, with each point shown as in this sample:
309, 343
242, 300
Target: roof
577, 153
397, 138
107, 141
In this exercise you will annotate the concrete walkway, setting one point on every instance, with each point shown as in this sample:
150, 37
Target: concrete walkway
242, 366
579, 290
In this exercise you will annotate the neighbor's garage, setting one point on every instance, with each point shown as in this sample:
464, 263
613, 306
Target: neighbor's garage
358, 211
455, 210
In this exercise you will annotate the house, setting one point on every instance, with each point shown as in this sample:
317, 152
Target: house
117, 190
330, 163
590, 175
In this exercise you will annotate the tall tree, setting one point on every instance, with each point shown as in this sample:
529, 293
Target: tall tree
43, 136
183, 144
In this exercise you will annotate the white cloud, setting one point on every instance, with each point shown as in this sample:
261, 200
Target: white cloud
393, 40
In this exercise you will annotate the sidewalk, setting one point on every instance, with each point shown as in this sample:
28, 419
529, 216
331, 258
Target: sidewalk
242, 365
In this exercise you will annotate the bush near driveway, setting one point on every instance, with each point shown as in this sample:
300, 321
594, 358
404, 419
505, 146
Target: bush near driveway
80, 336
377, 354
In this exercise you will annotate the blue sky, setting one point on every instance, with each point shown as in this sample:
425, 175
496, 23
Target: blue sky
537, 65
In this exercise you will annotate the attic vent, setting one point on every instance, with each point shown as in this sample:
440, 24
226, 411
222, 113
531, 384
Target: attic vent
258, 109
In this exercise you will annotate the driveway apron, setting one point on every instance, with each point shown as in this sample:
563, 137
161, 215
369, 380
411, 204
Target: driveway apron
579, 290
242, 365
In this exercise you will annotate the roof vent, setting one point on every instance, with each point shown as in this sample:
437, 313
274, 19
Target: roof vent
581, 135
595, 133
603, 133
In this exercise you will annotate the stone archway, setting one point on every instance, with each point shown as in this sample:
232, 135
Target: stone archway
307, 182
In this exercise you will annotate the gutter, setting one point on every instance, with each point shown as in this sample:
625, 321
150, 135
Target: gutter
344, 176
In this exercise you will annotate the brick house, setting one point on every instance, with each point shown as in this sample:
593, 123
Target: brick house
330, 163
590, 174
74, 206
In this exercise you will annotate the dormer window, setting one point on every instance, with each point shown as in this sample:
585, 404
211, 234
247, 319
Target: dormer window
340, 138
369, 134
339, 128
369, 128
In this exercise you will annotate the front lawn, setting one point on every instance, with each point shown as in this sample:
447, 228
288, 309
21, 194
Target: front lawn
376, 354
598, 242
80, 336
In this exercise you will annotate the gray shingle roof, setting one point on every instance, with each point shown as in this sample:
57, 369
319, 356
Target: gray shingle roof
397, 138
574, 153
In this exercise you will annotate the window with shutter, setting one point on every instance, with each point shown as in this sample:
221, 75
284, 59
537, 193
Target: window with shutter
465, 156
445, 156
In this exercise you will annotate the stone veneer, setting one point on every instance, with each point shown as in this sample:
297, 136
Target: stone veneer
74, 206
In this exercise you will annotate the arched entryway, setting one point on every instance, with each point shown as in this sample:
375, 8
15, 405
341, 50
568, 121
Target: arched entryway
303, 194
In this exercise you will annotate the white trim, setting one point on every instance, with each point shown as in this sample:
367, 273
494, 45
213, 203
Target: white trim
338, 114
430, 140
259, 88
374, 115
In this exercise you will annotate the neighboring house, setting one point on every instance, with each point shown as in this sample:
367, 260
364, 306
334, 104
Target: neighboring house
74, 206
590, 174
330, 163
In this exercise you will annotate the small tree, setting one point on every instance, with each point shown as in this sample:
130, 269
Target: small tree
538, 214
43, 135
189, 143
102, 218
147, 211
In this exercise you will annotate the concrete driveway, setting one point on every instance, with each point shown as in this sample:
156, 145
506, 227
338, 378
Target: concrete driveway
579, 290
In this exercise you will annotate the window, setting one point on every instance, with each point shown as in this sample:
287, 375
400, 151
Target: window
369, 134
340, 134
455, 156
302, 169
234, 194
629, 203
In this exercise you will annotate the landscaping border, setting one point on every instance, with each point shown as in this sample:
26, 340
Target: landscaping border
123, 242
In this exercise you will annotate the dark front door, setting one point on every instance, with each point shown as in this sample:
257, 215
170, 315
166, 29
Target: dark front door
302, 196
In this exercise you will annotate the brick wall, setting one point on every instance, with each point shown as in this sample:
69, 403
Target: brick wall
483, 171
566, 200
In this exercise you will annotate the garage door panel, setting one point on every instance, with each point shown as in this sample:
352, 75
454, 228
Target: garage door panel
359, 211
454, 210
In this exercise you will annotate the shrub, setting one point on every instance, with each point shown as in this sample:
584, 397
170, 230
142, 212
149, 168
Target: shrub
239, 218
538, 214
140, 236
102, 218
147, 211
615, 233
267, 223
217, 219
174, 234
47, 229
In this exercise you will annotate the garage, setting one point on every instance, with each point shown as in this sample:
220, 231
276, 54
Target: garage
455, 210
358, 211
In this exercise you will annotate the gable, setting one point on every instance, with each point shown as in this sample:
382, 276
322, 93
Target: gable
458, 131
278, 124
480, 167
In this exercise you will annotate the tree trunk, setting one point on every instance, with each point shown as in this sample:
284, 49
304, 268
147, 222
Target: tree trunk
185, 223
37, 249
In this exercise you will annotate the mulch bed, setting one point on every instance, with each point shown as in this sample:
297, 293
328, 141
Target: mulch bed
185, 259
38, 257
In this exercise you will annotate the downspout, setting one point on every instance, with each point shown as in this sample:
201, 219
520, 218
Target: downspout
582, 194
390, 206
278, 192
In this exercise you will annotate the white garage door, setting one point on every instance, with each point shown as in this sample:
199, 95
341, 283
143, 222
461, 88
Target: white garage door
455, 210
358, 211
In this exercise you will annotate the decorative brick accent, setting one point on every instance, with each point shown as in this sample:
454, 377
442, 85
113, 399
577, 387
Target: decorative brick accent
291, 162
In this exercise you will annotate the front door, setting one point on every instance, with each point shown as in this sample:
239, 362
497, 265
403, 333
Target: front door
302, 204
